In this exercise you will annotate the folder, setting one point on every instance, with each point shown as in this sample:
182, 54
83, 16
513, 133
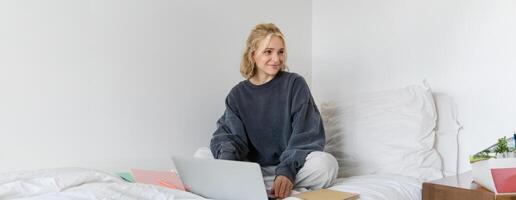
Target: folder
162, 178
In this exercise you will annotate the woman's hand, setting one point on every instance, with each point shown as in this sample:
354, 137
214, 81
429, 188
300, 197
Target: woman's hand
282, 187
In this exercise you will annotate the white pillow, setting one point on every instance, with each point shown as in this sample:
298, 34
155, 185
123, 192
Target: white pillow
384, 132
446, 133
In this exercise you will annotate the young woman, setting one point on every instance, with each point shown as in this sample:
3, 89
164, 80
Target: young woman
271, 119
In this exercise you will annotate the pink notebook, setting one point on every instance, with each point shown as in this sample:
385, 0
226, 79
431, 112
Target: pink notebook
504, 179
162, 178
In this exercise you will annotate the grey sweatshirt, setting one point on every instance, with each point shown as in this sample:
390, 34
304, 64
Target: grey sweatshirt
276, 123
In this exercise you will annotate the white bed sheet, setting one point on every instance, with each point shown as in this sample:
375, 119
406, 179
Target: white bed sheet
87, 184
80, 184
381, 187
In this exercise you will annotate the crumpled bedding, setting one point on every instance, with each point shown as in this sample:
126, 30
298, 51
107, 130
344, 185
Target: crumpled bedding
80, 184
89, 184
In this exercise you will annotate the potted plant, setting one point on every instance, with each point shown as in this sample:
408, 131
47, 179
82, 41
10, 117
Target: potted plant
483, 155
502, 148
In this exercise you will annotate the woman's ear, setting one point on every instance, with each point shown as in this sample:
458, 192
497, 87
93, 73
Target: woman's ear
252, 54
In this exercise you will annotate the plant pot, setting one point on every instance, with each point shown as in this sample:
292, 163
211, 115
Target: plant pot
502, 155
511, 155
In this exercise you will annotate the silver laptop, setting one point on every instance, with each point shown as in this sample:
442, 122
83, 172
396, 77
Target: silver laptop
221, 179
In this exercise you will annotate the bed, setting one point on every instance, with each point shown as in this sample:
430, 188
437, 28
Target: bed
387, 143
80, 184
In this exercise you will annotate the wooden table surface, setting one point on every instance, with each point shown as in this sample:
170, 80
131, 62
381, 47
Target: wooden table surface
459, 187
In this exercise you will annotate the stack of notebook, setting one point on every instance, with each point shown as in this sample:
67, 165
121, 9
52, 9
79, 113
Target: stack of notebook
167, 179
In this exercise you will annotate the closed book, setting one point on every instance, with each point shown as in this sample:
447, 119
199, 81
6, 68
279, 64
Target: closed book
326, 194
497, 175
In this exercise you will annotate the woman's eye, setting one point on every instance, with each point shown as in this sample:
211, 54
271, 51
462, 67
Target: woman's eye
268, 52
281, 52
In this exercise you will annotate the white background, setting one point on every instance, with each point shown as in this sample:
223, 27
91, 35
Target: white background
122, 84
466, 49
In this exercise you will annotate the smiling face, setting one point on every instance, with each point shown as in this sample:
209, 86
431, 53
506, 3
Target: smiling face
269, 56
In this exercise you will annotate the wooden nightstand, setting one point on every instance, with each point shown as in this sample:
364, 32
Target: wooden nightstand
459, 187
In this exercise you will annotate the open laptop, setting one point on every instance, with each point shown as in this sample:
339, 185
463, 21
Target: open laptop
221, 179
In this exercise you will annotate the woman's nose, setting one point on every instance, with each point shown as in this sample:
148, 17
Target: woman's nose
275, 57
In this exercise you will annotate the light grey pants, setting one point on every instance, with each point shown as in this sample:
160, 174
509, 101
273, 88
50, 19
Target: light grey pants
319, 171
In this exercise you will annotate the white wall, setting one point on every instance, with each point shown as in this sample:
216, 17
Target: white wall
466, 49
121, 84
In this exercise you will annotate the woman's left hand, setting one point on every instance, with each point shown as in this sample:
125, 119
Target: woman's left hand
282, 187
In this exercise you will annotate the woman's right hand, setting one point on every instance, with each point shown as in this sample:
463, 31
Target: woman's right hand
282, 187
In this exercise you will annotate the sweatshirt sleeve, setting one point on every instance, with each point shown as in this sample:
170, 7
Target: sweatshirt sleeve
307, 131
229, 142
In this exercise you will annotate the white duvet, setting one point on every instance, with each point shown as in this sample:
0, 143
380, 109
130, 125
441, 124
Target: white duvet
87, 184
80, 184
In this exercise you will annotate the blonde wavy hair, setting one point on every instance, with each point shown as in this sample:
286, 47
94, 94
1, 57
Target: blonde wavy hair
259, 33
